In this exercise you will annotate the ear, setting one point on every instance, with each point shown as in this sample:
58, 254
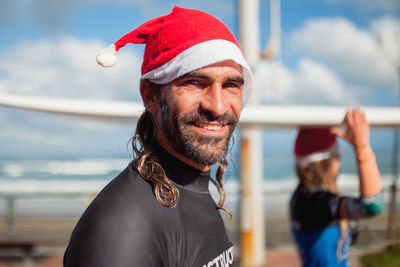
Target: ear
149, 96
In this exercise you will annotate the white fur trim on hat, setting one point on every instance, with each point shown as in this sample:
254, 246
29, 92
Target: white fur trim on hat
201, 55
317, 156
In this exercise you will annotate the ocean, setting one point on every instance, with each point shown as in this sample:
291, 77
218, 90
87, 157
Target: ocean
63, 188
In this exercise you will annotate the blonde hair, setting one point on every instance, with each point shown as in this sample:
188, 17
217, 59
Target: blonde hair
318, 174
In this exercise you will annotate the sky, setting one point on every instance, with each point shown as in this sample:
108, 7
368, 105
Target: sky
333, 52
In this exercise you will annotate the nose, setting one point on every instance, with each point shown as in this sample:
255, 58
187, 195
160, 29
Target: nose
213, 101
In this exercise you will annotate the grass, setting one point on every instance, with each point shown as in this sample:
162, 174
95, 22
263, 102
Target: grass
389, 257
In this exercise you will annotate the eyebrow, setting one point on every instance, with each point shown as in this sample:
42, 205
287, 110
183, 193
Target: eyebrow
195, 74
237, 79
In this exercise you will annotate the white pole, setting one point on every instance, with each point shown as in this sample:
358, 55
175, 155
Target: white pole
252, 220
275, 42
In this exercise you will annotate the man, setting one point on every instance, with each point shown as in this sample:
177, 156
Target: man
159, 211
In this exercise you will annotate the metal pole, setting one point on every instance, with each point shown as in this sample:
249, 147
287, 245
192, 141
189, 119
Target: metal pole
10, 215
392, 216
252, 221
275, 39
392, 228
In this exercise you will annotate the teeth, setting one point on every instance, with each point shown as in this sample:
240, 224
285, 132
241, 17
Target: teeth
211, 127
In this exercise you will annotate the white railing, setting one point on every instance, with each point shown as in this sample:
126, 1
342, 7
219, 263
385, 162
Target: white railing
262, 115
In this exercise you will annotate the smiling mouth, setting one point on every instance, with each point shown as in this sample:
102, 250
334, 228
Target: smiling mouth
209, 126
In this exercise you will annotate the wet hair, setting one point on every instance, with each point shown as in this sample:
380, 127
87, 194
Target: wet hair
148, 164
150, 168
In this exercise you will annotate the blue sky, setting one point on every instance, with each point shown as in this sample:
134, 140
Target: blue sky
334, 52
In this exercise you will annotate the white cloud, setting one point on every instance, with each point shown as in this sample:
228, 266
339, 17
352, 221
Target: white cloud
387, 32
339, 64
68, 68
315, 83
352, 54
311, 83
273, 83
64, 68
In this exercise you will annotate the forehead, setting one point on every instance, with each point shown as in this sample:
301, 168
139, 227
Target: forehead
227, 67
223, 70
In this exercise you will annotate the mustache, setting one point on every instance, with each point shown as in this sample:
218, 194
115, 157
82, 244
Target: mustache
191, 117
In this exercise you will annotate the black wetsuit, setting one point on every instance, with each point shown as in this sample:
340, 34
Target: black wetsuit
315, 219
315, 228
126, 226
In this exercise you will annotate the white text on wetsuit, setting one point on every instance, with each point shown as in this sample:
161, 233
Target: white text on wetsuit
225, 259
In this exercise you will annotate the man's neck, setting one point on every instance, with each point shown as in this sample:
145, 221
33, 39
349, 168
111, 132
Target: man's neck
169, 149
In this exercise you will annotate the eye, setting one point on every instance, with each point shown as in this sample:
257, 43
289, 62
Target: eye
198, 83
192, 81
233, 86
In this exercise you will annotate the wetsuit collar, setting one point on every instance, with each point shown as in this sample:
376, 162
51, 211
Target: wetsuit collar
182, 174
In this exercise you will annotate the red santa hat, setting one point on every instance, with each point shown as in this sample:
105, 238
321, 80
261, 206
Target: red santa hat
314, 144
181, 42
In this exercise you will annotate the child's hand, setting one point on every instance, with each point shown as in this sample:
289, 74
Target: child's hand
357, 132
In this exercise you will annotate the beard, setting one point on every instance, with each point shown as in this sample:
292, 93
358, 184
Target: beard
197, 147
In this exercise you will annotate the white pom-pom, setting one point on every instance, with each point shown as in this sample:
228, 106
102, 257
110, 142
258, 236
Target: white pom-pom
107, 57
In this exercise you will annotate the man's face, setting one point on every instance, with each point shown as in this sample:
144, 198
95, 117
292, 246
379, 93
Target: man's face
199, 111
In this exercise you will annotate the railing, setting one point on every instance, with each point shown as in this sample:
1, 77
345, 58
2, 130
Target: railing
260, 115
78, 201
11, 215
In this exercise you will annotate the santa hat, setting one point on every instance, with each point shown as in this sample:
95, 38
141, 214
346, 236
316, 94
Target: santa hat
181, 42
314, 144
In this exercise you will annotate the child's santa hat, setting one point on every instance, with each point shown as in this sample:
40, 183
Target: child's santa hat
181, 42
314, 144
